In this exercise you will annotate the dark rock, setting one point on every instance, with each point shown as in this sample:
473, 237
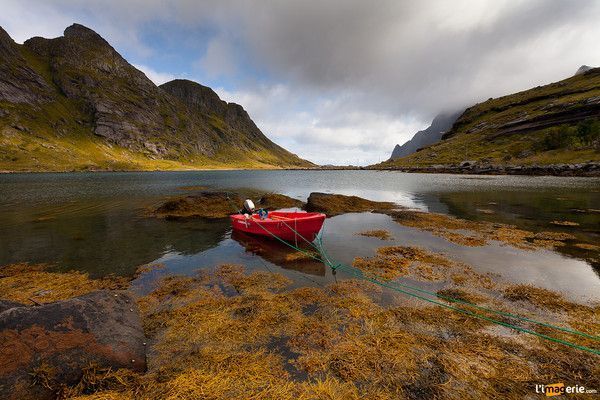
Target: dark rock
20, 128
7, 304
101, 328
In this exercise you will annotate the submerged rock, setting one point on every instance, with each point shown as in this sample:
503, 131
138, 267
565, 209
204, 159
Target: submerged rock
44, 348
335, 204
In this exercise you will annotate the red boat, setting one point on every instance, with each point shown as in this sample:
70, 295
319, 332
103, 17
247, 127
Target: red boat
281, 224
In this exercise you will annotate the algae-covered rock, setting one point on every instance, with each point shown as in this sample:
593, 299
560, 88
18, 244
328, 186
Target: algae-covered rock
45, 348
335, 204
276, 201
35, 284
202, 205
214, 204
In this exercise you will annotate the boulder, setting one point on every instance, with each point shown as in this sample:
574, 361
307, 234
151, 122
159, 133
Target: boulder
44, 348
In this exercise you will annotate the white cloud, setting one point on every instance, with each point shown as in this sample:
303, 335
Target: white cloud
157, 77
219, 59
323, 131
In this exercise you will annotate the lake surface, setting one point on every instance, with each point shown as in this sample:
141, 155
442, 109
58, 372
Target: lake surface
95, 222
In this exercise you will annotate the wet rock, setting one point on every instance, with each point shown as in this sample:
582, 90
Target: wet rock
335, 204
212, 205
203, 205
276, 201
61, 339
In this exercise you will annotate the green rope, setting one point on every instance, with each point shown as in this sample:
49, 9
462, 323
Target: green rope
482, 308
359, 274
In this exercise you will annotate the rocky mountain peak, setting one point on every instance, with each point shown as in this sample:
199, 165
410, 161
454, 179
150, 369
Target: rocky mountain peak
583, 69
195, 94
440, 124
80, 31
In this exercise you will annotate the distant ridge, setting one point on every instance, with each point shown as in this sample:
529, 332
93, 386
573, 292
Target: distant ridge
440, 124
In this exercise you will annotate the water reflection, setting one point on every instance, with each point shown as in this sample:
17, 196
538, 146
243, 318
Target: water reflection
536, 212
112, 241
94, 222
279, 254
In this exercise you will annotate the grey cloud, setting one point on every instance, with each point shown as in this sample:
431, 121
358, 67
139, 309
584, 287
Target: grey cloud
360, 69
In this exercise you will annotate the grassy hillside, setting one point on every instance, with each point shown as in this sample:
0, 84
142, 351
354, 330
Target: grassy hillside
552, 124
73, 103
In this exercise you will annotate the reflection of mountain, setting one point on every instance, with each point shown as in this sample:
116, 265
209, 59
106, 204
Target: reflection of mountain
279, 254
107, 242
534, 211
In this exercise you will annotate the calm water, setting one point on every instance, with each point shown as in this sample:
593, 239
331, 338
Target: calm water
94, 222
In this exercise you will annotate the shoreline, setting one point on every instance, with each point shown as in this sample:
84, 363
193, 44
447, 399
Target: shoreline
590, 169
583, 170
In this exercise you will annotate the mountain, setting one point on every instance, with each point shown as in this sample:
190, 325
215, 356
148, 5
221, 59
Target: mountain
582, 69
553, 124
440, 124
74, 103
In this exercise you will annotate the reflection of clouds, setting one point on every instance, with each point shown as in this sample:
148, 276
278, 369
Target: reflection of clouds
543, 268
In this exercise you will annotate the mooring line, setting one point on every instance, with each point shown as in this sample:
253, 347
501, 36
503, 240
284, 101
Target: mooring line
359, 274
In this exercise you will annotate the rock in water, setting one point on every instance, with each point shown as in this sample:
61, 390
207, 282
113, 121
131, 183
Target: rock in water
336, 204
101, 328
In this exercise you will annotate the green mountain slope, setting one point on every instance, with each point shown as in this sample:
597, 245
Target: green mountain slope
73, 103
552, 124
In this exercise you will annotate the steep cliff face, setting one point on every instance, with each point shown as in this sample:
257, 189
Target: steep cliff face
59, 96
19, 83
230, 120
440, 124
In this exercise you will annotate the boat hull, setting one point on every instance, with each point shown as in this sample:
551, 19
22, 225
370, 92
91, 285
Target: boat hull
282, 225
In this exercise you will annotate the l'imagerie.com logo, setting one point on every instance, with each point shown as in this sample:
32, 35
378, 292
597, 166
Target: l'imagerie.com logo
556, 389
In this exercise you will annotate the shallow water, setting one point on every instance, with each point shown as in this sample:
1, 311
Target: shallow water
94, 222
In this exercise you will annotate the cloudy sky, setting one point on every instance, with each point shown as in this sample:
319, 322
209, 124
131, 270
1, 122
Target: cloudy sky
337, 81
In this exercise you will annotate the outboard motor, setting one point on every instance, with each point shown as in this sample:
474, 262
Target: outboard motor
248, 207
